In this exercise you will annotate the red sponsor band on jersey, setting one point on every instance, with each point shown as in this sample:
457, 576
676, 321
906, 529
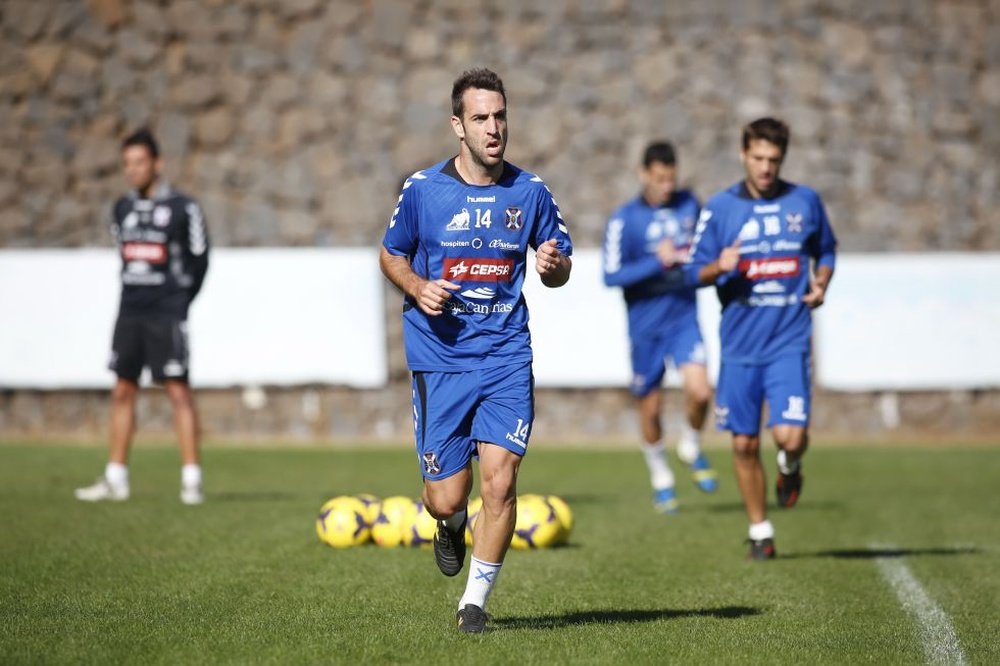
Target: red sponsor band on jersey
153, 253
478, 269
769, 269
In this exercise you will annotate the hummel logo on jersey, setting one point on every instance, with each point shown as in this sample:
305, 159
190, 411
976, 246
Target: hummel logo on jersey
479, 270
459, 221
763, 269
514, 218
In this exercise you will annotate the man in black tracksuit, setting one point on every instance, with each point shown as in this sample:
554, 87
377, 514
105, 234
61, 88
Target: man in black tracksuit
161, 236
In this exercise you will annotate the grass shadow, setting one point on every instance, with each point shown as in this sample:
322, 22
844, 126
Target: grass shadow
620, 617
252, 496
880, 553
737, 507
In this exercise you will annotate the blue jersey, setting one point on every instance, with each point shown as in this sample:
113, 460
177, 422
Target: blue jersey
476, 236
657, 297
763, 316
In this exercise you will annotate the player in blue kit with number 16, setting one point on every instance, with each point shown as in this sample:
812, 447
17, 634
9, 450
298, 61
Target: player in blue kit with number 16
768, 247
457, 247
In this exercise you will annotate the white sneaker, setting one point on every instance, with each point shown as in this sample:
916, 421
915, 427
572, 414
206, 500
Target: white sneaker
192, 494
103, 490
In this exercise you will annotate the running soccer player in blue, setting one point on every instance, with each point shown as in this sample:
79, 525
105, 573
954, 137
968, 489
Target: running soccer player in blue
456, 246
646, 242
767, 246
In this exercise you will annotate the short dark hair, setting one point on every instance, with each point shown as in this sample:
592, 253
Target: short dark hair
482, 78
771, 130
142, 137
659, 151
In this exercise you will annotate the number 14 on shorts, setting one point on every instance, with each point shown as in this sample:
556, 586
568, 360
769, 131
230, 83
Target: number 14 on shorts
520, 434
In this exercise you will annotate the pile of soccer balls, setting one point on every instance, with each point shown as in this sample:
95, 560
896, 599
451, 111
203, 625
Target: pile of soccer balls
353, 520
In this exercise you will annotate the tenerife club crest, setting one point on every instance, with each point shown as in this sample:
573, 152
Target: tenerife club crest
431, 465
794, 222
514, 218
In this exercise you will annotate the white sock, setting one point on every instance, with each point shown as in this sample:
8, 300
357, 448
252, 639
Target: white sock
116, 474
761, 530
455, 521
660, 474
689, 445
191, 475
482, 578
784, 466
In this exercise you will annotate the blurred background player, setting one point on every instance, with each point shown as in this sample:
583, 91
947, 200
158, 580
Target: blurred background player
646, 241
456, 246
768, 247
163, 242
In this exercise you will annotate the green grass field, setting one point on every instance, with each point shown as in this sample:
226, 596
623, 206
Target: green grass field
244, 579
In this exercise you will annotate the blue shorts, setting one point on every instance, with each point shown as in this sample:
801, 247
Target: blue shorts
649, 357
784, 383
452, 411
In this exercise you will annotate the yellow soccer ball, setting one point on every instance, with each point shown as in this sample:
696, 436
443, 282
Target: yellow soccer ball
395, 516
373, 507
475, 506
564, 514
537, 524
341, 522
422, 529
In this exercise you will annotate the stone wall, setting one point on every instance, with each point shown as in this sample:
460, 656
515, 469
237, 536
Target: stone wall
294, 120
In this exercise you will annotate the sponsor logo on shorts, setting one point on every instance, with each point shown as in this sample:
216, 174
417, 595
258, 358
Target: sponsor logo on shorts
431, 465
767, 269
478, 269
153, 253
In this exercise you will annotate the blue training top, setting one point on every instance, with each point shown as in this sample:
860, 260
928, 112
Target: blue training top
657, 298
763, 316
476, 236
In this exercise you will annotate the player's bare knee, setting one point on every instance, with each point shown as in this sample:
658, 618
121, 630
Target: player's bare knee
792, 440
123, 392
180, 395
746, 446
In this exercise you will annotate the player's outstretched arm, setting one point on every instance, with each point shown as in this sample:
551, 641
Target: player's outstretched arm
552, 265
429, 295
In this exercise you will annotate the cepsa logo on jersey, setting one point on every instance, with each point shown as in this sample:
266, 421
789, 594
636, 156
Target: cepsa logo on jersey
153, 253
767, 269
478, 270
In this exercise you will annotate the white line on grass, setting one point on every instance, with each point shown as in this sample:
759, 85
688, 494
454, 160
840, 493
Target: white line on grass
940, 642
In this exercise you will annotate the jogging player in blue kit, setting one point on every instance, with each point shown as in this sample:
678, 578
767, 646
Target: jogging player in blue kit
768, 247
646, 243
457, 247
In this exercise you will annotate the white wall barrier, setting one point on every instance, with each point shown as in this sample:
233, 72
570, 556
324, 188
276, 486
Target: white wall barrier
284, 316
265, 316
